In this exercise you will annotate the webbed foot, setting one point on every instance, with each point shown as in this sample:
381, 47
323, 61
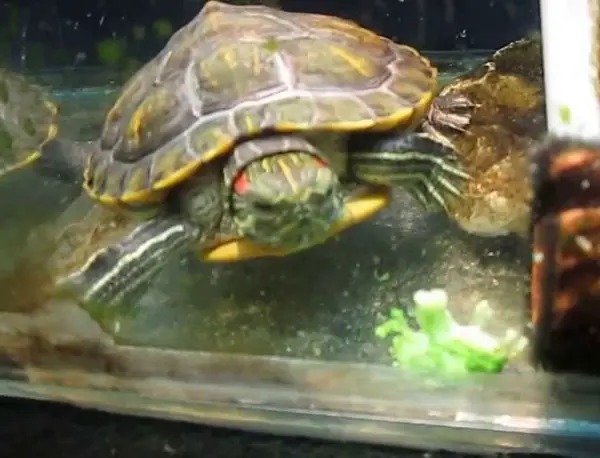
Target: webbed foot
451, 111
448, 112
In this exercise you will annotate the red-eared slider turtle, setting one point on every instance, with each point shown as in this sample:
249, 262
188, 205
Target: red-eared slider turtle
259, 132
504, 99
28, 121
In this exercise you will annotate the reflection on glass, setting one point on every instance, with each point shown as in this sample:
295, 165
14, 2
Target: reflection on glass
354, 172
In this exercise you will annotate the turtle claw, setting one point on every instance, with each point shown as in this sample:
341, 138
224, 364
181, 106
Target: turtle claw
433, 194
445, 179
452, 111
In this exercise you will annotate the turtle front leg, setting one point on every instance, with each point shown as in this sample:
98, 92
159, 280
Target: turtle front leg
451, 111
425, 166
120, 272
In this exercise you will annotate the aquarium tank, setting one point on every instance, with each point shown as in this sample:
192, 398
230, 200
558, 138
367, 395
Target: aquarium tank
370, 221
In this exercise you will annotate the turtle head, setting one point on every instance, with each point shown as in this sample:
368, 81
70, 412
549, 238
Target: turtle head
288, 200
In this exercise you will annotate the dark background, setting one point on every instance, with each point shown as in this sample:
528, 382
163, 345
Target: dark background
43, 430
49, 33
36, 35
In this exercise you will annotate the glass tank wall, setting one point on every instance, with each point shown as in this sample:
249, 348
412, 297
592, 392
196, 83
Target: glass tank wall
406, 321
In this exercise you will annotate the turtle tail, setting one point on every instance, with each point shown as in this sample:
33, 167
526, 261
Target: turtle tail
426, 167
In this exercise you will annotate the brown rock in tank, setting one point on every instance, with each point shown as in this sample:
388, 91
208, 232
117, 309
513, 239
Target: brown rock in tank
505, 100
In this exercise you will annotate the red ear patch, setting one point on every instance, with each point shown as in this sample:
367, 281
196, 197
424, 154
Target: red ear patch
240, 184
320, 162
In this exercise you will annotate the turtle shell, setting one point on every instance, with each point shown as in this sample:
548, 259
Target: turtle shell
507, 120
28, 120
238, 71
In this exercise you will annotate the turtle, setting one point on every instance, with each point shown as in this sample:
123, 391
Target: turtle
258, 132
493, 116
30, 124
29, 120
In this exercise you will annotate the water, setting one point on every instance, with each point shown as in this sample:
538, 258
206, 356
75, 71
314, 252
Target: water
280, 345
324, 302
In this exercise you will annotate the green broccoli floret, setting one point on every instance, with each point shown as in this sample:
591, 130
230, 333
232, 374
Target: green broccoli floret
441, 344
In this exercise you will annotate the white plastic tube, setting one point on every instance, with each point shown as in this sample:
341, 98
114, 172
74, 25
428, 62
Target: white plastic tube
573, 105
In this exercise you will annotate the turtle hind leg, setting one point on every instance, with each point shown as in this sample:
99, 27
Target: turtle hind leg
120, 272
419, 162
